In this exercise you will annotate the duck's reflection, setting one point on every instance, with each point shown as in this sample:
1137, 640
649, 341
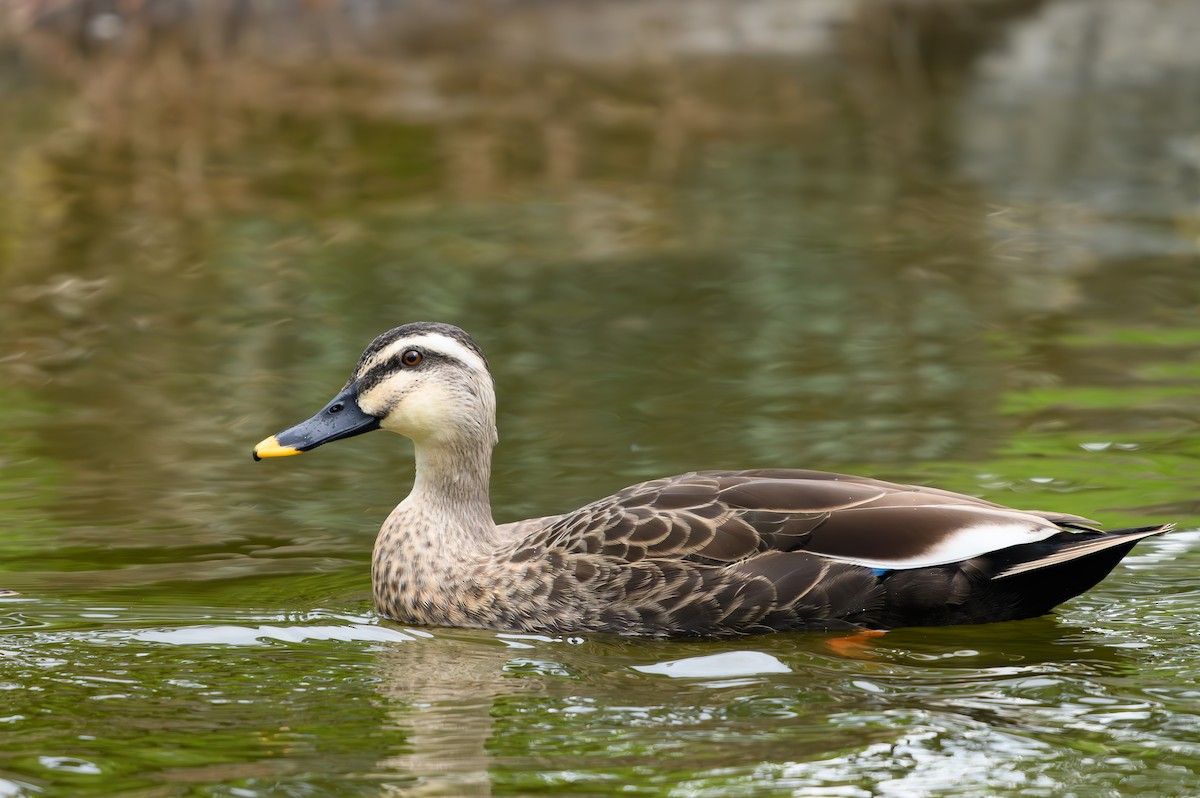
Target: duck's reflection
441, 691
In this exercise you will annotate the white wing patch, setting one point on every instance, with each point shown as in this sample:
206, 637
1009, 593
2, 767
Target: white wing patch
991, 530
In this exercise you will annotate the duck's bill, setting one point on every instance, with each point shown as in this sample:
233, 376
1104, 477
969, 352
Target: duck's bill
341, 418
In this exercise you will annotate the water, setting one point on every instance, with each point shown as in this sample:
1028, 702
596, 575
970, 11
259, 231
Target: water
969, 260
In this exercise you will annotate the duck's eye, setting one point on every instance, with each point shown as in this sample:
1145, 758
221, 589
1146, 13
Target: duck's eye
339, 407
411, 358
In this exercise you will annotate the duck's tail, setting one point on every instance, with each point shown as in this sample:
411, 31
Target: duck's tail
1034, 578
1070, 546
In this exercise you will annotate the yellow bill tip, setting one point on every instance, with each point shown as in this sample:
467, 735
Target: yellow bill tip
270, 447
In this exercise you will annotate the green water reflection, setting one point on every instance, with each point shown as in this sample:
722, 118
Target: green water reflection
830, 255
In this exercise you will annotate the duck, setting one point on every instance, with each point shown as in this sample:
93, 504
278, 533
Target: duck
701, 554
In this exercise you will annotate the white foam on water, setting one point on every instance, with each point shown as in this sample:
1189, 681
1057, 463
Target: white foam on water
729, 664
230, 635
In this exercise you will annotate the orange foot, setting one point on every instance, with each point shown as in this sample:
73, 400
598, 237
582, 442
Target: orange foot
855, 645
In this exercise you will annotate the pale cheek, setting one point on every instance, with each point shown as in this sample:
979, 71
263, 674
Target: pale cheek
418, 415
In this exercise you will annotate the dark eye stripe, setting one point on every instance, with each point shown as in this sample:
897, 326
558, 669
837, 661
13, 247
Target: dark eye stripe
380, 371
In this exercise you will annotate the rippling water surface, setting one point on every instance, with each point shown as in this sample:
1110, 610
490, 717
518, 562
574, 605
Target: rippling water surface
951, 248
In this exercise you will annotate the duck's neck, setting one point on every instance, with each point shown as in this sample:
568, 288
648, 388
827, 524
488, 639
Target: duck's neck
452, 480
449, 508
430, 546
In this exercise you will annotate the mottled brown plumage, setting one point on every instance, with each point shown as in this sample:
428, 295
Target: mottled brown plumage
712, 553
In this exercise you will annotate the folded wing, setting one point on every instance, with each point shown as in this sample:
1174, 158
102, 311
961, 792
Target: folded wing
719, 518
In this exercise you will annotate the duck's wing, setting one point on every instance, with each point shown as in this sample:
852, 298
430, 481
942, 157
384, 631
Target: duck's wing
722, 517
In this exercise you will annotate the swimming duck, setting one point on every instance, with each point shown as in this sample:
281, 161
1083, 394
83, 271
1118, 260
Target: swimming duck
707, 553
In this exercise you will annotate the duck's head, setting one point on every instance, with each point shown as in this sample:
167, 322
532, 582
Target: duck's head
427, 381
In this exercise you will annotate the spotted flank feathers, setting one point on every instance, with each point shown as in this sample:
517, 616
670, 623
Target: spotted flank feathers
711, 553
